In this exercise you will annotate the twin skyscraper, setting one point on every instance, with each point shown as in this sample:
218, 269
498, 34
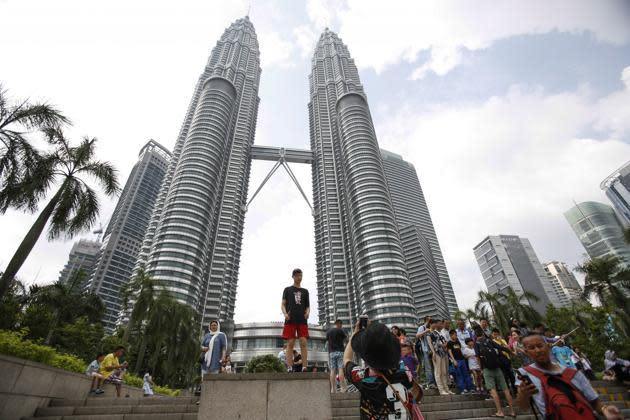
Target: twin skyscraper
364, 199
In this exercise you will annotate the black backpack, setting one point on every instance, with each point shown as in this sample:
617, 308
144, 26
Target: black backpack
488, 354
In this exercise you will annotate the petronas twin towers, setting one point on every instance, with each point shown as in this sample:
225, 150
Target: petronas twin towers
193, 242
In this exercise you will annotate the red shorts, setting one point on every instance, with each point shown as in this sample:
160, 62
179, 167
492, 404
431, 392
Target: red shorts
295, 330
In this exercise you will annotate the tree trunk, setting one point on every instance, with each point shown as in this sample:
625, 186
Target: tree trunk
27, 244
52, 328
142, 349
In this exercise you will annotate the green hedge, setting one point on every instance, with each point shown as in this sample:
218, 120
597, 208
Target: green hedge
13, 343
265, 364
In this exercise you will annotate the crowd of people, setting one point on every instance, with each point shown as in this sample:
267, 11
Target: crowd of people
529, 368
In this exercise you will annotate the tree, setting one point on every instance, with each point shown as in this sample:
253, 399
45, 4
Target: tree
608, 279
66, 302
497, 309
593, 338
142, 290
73, 208
12, 306
518, 306
18, 158
469, 315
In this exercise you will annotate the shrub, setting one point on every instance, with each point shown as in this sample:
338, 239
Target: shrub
13, 343
265, 364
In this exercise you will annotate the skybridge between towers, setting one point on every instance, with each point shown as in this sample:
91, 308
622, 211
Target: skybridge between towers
282, 156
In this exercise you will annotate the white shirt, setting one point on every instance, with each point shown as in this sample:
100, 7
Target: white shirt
471, 356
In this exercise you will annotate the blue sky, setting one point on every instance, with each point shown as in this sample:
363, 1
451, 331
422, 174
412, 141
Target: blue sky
509, 110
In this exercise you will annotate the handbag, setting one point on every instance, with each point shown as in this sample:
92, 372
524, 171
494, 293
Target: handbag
413, 410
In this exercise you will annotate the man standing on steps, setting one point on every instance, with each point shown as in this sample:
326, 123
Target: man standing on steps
336, 337
296, 308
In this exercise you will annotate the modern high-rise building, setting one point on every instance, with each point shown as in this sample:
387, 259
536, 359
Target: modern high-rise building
359, 257
430, 283
192, 247
510, 261
82, 259
599, 230
617, 189
570, 288
126, 229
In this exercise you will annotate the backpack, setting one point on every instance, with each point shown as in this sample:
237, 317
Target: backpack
562, 400
488, 354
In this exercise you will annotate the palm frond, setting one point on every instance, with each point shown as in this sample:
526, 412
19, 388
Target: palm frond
85, 213
34, 116
104, 173
68, 201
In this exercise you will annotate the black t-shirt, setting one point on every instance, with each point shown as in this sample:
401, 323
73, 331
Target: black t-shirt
456, 348
335, 337
296, 303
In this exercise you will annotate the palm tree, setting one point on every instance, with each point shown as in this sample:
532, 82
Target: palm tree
498, 310
67, 301
73, 208
608, 279
142, 290
18, 158
469, 315
518, 306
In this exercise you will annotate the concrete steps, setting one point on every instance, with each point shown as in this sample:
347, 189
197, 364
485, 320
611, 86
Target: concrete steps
446, 407
95, 408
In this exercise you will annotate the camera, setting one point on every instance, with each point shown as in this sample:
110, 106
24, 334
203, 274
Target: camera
363, 321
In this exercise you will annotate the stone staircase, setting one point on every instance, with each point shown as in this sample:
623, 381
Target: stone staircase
443, 407
344, 407
97, 408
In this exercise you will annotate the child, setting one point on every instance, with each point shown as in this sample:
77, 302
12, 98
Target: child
92, 372
409, 359
473, 363
462, 375
147, 386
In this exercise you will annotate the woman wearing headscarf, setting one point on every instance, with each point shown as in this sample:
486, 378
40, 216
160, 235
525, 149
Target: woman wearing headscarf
213, 347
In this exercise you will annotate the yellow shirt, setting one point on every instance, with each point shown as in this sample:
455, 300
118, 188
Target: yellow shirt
109, 361
502, 342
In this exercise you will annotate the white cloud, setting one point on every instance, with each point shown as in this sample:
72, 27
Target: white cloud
305, 39
274, 50
443, 60
509, 165
381, 34
625, 77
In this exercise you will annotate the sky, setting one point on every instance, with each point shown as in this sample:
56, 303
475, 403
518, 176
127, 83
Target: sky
510, 111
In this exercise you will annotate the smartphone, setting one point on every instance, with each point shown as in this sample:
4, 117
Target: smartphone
524, 378
363, 321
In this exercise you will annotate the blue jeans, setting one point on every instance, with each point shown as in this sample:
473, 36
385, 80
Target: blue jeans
462, 376
428, 367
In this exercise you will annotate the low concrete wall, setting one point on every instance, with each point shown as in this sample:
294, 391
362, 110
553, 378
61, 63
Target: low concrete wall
266, 396
26, 385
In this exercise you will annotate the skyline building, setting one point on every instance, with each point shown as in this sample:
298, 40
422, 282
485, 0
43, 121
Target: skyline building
598, 228
359, 257
617, 188
82, 257
193, 243
570, 288
430, 283
126, 229
510, 261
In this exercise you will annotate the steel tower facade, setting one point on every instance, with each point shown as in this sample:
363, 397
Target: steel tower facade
126, 229
434, 296
192, 246
359, 257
